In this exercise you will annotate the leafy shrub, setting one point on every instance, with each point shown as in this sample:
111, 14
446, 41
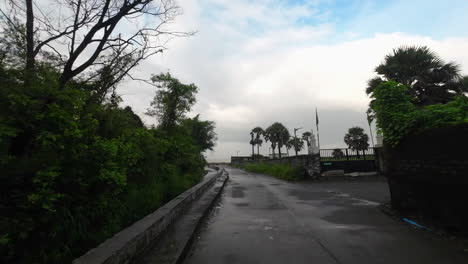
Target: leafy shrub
397, 116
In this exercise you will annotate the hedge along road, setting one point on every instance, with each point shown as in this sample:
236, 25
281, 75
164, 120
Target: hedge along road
261, 219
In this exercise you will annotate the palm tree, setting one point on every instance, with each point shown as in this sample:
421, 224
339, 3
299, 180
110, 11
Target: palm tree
258, 142
252, 142
258, 131
270, 135
278, 135
306, 136
283, 136
356, 139
429, 78
296, 143
289, 145
338, 153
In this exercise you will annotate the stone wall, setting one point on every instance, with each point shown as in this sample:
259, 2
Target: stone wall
428, 175
311, 163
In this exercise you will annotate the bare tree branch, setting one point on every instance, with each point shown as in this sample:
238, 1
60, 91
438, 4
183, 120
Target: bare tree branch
108, 37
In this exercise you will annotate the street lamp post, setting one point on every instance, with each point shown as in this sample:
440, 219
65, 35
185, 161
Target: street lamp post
295, 139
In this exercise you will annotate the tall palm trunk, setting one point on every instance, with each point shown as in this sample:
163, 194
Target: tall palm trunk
252, 142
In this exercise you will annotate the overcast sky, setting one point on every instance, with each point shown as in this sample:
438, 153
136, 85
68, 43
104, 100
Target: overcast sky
258, 62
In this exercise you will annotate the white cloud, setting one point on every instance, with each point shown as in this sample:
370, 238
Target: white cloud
275, 71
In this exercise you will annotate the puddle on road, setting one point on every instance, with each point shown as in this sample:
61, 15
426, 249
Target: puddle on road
238, 192
308, 195
354, 200
241, 204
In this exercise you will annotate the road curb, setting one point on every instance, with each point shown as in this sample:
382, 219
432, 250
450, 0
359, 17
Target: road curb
128, 244
200, 222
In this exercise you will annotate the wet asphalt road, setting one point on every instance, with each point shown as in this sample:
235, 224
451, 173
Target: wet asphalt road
260, 219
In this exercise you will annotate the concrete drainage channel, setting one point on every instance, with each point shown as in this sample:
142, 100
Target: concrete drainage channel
165, 235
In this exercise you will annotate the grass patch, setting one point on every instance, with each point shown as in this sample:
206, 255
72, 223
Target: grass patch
280, 171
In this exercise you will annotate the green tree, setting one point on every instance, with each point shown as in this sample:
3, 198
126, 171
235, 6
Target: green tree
356, 139
202, 132
172, 101
430, 80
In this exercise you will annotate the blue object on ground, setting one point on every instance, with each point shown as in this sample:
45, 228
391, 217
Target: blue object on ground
414, 223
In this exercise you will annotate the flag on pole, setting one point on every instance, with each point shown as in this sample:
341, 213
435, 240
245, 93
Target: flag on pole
317, 125
316, 119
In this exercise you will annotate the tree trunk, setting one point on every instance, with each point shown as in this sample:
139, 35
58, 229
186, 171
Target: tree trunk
258, 150
279, 152
253, 150
29, 70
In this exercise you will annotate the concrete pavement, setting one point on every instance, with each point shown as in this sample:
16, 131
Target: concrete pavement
261, 219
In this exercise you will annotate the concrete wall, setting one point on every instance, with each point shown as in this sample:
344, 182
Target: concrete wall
428, 175
124, 246
349, 166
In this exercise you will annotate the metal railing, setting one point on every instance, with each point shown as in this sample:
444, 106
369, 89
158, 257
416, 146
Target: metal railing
346, 154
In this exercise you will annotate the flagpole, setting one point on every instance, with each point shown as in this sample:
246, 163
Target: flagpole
317, 125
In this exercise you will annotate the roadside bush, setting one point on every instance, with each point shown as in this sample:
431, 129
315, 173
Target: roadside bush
280, 171
397, 116
74, 171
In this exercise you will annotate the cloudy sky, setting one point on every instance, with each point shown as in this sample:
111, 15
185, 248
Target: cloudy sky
261, 61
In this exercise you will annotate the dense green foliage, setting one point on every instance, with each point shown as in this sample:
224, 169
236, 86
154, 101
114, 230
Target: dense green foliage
75, 167
280, 171
397, 115
74, 171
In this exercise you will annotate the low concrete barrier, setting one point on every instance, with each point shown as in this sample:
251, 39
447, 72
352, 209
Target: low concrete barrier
124, 246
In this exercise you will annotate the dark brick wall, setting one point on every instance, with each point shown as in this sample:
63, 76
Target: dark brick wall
428, 175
